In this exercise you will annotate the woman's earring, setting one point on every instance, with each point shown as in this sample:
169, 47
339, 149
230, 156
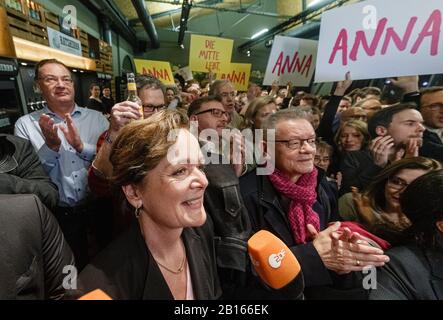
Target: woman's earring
137, 211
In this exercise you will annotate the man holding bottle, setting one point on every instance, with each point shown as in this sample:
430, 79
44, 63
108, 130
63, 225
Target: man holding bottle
150, 93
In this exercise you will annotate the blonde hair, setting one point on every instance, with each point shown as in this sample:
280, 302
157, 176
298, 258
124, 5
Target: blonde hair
358, 125
253, 108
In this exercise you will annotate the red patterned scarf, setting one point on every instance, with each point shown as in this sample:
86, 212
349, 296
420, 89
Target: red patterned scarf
302, 195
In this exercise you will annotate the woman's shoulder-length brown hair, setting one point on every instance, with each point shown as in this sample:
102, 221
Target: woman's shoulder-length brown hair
376, 190
142, 144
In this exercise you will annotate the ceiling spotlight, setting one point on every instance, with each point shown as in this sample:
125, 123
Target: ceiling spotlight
257, 34
248, 53
315, 2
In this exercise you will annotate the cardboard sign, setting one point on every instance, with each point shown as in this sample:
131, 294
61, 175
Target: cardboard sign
378, 38
159, 69
291, 60
210, 53
238, 74
186, 73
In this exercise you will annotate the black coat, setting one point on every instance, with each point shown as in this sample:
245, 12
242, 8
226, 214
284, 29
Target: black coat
26, 174
95, 105
269, 213
126, 269
358, 167
432, 146
358, 170
413, 273
33, 251
107, 104
232, 229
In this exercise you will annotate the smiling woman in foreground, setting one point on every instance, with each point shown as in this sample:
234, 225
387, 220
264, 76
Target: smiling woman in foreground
168, 251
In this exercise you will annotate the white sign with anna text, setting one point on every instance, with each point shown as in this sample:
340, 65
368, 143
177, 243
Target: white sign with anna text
291, 60
379, 38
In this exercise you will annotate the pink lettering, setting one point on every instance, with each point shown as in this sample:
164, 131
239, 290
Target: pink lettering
360, 37
340, 44
399, 43
432, 29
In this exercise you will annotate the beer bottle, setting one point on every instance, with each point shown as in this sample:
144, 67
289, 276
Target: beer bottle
132, 92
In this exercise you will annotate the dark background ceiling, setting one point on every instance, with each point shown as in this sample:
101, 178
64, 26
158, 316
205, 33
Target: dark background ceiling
238, 20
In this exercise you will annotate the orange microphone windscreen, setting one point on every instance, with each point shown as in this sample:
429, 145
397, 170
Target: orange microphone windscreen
274, 262
97, 294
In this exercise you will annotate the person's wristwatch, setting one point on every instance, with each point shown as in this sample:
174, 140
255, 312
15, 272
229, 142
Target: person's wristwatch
108, 138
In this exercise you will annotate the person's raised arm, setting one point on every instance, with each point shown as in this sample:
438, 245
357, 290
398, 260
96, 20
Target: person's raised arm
325, 127
121, 114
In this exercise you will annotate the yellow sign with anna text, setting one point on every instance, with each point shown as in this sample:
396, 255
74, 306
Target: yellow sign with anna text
238, 74
210, 53
159, 69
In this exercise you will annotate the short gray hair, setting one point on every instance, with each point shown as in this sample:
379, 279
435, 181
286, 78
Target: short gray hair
215, 87
148, 82
273, 119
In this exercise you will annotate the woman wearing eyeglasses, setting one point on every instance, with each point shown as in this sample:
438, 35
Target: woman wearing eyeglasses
378, 207
415, 271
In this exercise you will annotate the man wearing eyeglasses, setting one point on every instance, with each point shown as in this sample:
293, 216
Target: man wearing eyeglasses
430, 102
152, 95
223, 201
431, 108
226, 91
294, 203
210, 114
64, 136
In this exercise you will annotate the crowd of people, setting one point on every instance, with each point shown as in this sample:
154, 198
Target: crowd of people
160, 204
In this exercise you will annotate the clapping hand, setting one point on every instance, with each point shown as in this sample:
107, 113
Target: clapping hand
345, 252
381, 148
50, 132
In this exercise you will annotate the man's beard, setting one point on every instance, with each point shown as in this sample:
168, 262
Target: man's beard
404, 144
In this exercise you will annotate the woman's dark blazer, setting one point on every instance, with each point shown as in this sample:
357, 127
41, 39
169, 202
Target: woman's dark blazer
126, 269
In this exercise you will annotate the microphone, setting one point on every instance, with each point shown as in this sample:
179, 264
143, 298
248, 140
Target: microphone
275, 263
97, 294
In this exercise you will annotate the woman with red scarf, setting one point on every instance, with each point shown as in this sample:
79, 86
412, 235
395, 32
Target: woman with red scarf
293, 203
